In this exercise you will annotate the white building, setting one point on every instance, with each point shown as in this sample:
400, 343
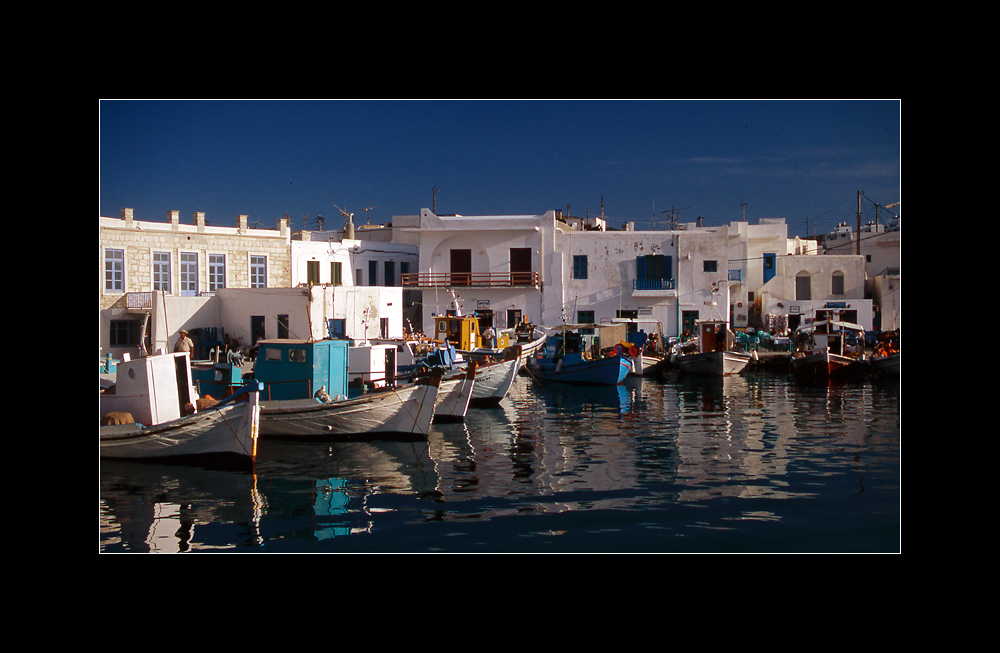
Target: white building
880, 245
240, 284
547, 269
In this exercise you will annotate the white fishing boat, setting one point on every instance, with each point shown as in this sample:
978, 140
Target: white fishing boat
494, 379
464, 334
306, 393
455, 395
711, 353
392, 412
153, 412
829, 350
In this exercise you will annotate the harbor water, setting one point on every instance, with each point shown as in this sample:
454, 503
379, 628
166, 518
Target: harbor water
751, 464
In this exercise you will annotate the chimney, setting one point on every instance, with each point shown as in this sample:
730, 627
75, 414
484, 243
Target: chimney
127, 217
242, 222
199, 220
175, 219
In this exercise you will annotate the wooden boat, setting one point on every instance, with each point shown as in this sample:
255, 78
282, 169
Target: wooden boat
153, 412
306, 393
712, 353
565, 360
463, 332
644, 348
455, 395
494, 374
829, 350
494, 379
403, 412
885, 355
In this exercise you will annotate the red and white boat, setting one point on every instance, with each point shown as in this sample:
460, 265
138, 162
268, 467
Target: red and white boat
713, 354
829, 350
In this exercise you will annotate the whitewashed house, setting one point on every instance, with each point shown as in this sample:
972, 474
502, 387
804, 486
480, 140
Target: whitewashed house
807, 286
355, 284
548, 269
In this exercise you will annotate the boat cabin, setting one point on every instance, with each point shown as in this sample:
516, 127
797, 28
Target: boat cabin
714, 336
153, 389
841, 338
216, 379
297, 369
462, 331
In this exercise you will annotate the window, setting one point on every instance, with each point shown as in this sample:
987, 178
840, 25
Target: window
336, 274
803, 289
125, 333
216, 271
653, 272
838, 283
189, 274
161, 271
711, 266
390, 274
372, 273
258, 272
312, 272
283, 326
114, 270
585, 317
579, 267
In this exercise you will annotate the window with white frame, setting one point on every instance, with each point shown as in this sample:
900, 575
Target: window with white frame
161, 271
258, 271
189, 274
216, 271
114, 270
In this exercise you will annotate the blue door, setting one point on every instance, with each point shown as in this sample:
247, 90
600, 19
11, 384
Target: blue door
769, 260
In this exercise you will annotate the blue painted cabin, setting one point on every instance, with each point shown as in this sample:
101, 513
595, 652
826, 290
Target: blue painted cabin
297, 369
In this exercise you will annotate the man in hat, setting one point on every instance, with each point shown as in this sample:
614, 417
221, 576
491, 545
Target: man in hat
184, 343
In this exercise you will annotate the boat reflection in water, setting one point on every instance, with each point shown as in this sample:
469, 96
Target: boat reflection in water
752, 462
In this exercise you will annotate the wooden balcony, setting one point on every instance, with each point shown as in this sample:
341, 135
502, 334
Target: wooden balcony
470, 279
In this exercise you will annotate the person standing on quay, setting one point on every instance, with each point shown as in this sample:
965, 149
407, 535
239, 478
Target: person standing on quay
184, 344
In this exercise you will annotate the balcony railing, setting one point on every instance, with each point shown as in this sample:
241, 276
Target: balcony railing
469, 279
653, 284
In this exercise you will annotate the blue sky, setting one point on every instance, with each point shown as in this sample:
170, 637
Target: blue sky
801, 160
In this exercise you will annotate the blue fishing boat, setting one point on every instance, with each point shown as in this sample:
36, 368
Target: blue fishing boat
565, 359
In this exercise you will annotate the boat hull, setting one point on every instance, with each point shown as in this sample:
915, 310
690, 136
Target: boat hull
600, 371
886, 365
714, 363
493, 381
225, 433
826, 365
403, 412
644, 365
453, 397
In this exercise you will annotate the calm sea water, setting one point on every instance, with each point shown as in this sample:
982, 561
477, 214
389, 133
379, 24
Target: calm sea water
755, 463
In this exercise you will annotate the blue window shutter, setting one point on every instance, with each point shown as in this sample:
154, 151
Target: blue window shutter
640, 267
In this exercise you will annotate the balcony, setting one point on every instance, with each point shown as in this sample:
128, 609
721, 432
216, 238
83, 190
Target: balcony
655, 285
470, 279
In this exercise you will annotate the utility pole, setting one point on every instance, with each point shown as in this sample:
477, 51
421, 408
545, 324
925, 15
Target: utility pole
857, 236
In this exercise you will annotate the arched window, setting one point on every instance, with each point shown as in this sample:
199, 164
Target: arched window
803, 286
838, 283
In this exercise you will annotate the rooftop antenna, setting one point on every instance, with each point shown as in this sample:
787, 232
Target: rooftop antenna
348, 223
367, 216
744, 205
434, 200
674, 215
